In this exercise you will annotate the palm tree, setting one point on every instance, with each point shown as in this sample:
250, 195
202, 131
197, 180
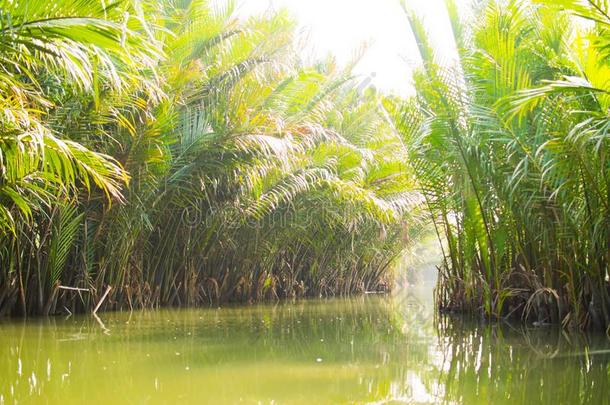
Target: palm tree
509, 149
245, 181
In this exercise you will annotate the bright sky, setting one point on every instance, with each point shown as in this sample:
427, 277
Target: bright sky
341, 27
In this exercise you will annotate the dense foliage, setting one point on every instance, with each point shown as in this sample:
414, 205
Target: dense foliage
510, 146
182, 156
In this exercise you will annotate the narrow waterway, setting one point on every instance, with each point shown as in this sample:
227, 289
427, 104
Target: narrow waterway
370, 349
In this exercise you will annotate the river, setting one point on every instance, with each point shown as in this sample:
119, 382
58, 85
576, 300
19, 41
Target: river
369, 349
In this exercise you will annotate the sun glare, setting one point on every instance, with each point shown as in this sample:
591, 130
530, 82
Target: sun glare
344, 27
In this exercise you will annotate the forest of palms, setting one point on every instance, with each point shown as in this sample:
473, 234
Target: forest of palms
171, 154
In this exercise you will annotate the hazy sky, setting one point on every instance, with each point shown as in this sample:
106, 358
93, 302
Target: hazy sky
340, 27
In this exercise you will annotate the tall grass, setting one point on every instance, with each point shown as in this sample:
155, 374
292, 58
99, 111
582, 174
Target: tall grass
510, 148
182, 156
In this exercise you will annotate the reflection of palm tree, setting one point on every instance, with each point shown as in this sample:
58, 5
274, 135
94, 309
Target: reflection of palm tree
363, 334
520, 365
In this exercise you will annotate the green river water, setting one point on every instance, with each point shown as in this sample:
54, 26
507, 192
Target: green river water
370, 349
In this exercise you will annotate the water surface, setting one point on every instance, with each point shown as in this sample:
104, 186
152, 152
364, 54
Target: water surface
369, 349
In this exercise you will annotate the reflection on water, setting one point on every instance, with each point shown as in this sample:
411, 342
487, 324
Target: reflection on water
364, 350
504, 365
